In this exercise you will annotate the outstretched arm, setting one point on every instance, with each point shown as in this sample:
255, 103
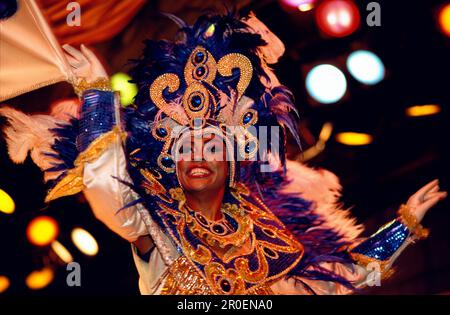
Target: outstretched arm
101, 160
374, 256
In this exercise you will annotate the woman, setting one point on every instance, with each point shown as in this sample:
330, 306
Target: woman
187, 176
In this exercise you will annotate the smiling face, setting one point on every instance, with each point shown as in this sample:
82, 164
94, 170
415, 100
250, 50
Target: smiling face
202, 165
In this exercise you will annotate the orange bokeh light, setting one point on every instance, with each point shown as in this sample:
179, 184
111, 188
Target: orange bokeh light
42, 230
444, 19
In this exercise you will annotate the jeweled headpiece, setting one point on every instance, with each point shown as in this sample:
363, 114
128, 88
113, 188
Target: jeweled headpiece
216, 76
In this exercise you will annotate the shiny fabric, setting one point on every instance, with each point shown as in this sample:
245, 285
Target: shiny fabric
30, 56
383, 244
97, 116
107, 195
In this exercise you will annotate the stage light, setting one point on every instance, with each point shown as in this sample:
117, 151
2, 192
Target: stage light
39, 279
366, 67
4, 284
84, 241
338, 18
444, 19
326, 84
42, 230
6, 203
119, 82
423, 110
62, 252
325, 132
354, 138
302, 5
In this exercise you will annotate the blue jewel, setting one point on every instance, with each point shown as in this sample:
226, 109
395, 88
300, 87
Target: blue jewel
161, 132
200, 71
247, 117
249, 147
167, 162
196, 101
199, 57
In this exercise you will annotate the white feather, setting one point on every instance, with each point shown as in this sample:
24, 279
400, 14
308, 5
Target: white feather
322, 187
31, 134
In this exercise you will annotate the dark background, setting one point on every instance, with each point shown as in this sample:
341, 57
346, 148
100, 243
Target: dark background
406, 152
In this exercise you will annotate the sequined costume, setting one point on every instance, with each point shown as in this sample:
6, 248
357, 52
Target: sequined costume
278, 235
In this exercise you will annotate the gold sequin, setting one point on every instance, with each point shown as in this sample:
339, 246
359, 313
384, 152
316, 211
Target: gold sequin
183, 279
172, 82
82, 85
411, 222
238, 245
232, 61
72, 183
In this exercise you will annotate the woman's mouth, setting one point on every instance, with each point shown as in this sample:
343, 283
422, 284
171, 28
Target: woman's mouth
198, 172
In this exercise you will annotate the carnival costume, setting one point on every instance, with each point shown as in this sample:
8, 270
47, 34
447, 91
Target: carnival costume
283, 230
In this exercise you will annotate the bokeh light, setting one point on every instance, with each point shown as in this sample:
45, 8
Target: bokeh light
366, 67
302, 5
84, 241
42, 230
119, 82
338, 18
39, 279
62, 252
6, 203
4, 284
444, 19
326, 83
354, 138
423, 110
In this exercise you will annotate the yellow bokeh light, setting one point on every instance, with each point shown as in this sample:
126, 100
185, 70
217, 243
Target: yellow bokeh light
444, 19
305, 7
354, 138
6, 203
84, 241
62, 252
325, 132
423, 110
4, 284
42, 230
39, 279
119, 82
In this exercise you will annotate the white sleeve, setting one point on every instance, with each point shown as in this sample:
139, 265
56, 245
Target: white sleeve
107, 195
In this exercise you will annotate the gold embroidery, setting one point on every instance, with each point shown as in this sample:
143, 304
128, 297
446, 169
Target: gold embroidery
72, 183
229, 62
183, 279
411, 222
172, 82
82, 85
363, 261
208, 62
239, 279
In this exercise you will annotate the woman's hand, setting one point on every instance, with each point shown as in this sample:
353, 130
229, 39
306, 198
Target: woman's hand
425, 198
84, 63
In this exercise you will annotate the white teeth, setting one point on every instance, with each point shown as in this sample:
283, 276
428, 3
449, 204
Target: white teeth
198, 171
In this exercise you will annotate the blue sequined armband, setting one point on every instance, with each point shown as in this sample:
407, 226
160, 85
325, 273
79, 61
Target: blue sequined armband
383, 244
97, 116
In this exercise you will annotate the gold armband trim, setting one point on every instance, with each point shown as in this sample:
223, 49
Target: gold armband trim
408, 219
363, 260
72, 183
82, 85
